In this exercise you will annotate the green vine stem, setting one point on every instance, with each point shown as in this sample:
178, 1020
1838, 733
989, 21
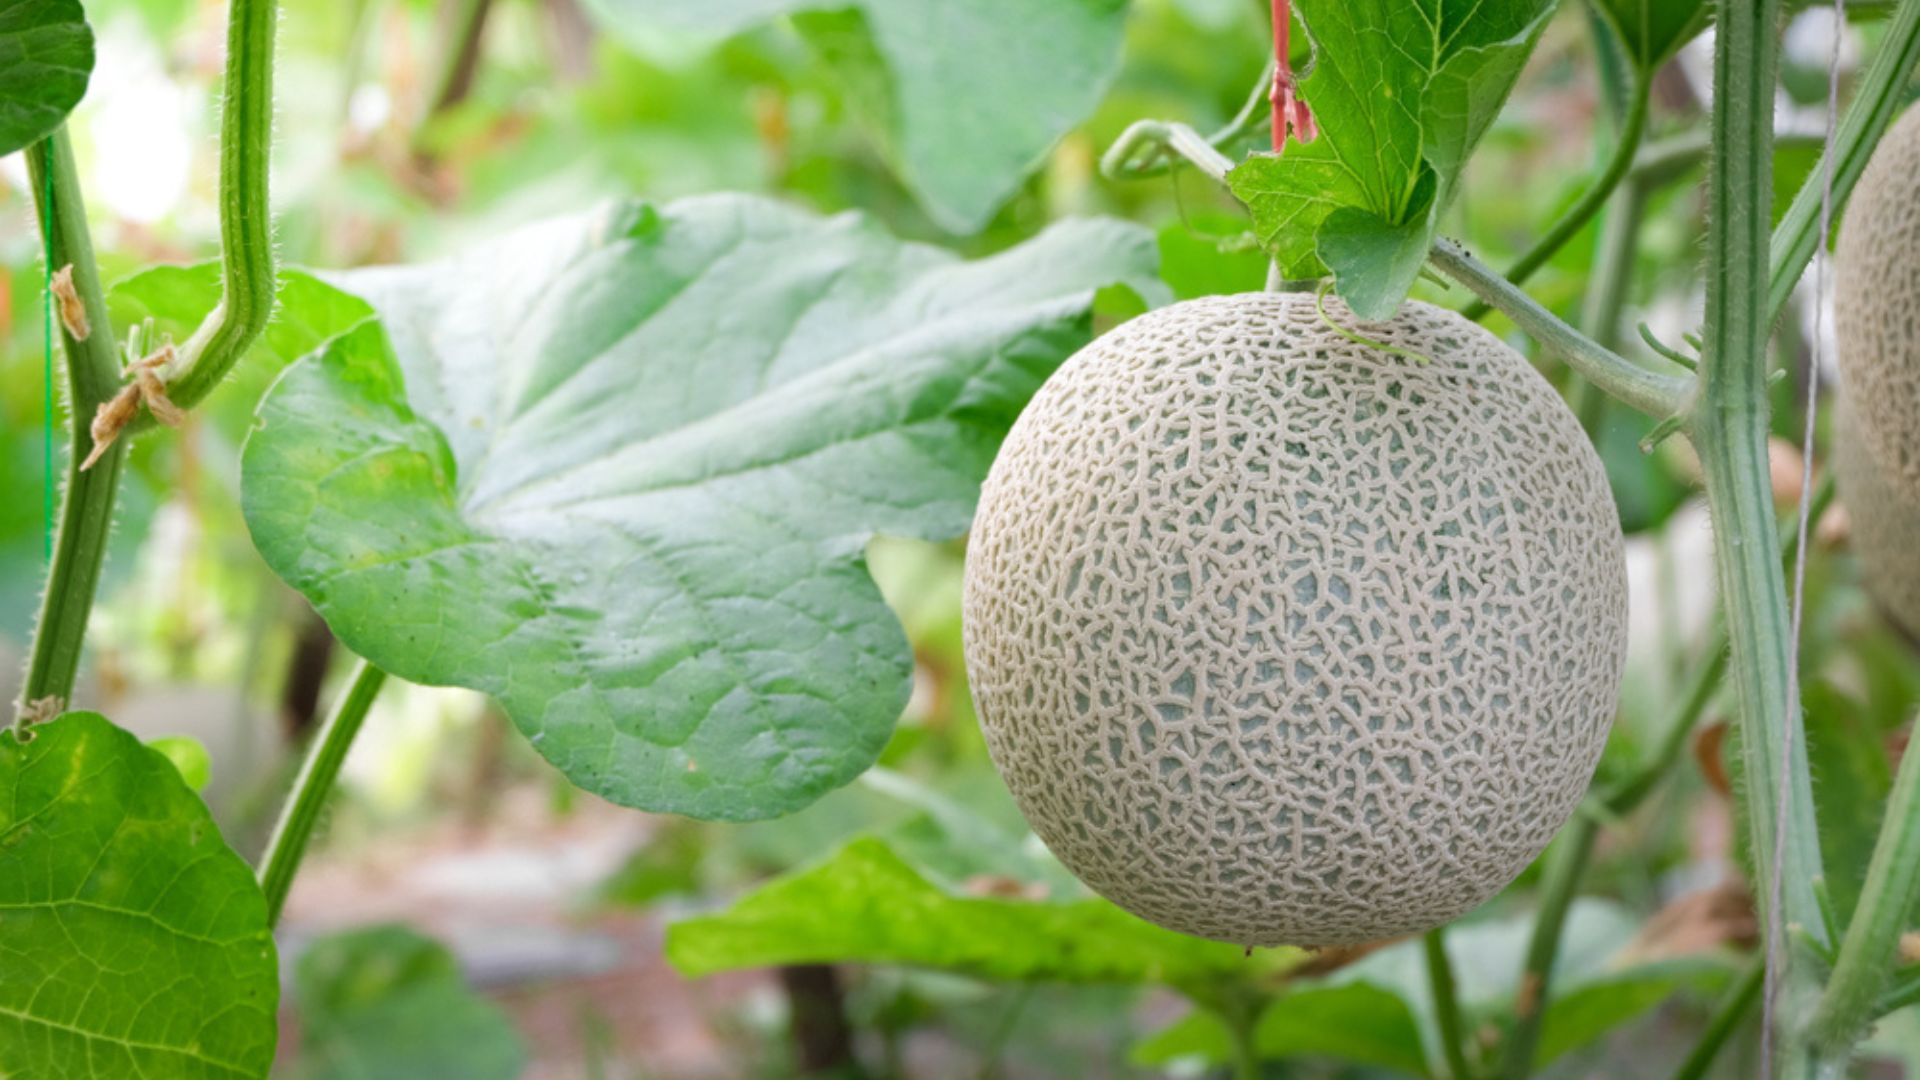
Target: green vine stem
1446, 1003
1619, 164
1606, 298
462, 56
93, 377
1728, 426
1878, 100
1655, 393
1141, 150
1726, 1019
317, 775
1871, 946
1607, 287
1146, 143
246, 222
1559, 885
1562, 879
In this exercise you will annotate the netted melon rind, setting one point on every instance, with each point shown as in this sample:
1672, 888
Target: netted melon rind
1885, 525
1876, 297
1280, 638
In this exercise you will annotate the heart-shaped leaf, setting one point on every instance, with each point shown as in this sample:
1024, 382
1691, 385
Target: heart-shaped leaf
133, 941
384, 1003
1354, 1023
619, 471
1401, 90
1374, 263
1653, 30
868, 905
46, 57
962, 142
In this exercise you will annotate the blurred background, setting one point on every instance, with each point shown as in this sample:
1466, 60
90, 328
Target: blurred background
467, 913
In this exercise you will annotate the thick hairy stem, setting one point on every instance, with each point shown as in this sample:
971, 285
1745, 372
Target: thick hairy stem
1881, 94
246, 227
1590, 201
93, 377
1871, 947
309, 796
1446, 1003
1729, 430
1655, 393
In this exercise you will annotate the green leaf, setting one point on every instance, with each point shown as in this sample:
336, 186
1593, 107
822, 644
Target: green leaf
1851, 781
962, 142
1374, 263
1488, 957
1653, 30
619, 471
1356, 1023
306, 313
385, 1003
1584, 1011
46, 57
188, 756
133, 941
1210, 254
866, 904
1401, 91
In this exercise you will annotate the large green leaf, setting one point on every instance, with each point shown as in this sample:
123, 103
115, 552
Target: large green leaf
46, 57
385, 1003
868, 905
133, 941
1653, 30
962, 136
1588, 1008
1851, 781
1400, 89
619, 471
1356, 1023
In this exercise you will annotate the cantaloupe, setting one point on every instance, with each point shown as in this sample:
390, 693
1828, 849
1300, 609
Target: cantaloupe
1278, 637
1885, 524
1877, 305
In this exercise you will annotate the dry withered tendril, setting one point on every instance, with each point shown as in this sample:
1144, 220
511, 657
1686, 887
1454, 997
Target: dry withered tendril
113, 415
73, 313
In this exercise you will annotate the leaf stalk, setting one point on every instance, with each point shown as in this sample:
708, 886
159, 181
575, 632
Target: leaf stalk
1655, 393
288, 847
1446, 1003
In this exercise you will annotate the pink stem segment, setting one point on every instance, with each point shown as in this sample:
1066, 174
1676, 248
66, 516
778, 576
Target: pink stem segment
1289, 110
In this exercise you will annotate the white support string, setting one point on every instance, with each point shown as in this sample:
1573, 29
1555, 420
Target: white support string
1777, 958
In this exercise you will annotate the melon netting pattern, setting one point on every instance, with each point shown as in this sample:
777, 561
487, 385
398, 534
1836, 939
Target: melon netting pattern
1876, 304
1885, 524
1281, 638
